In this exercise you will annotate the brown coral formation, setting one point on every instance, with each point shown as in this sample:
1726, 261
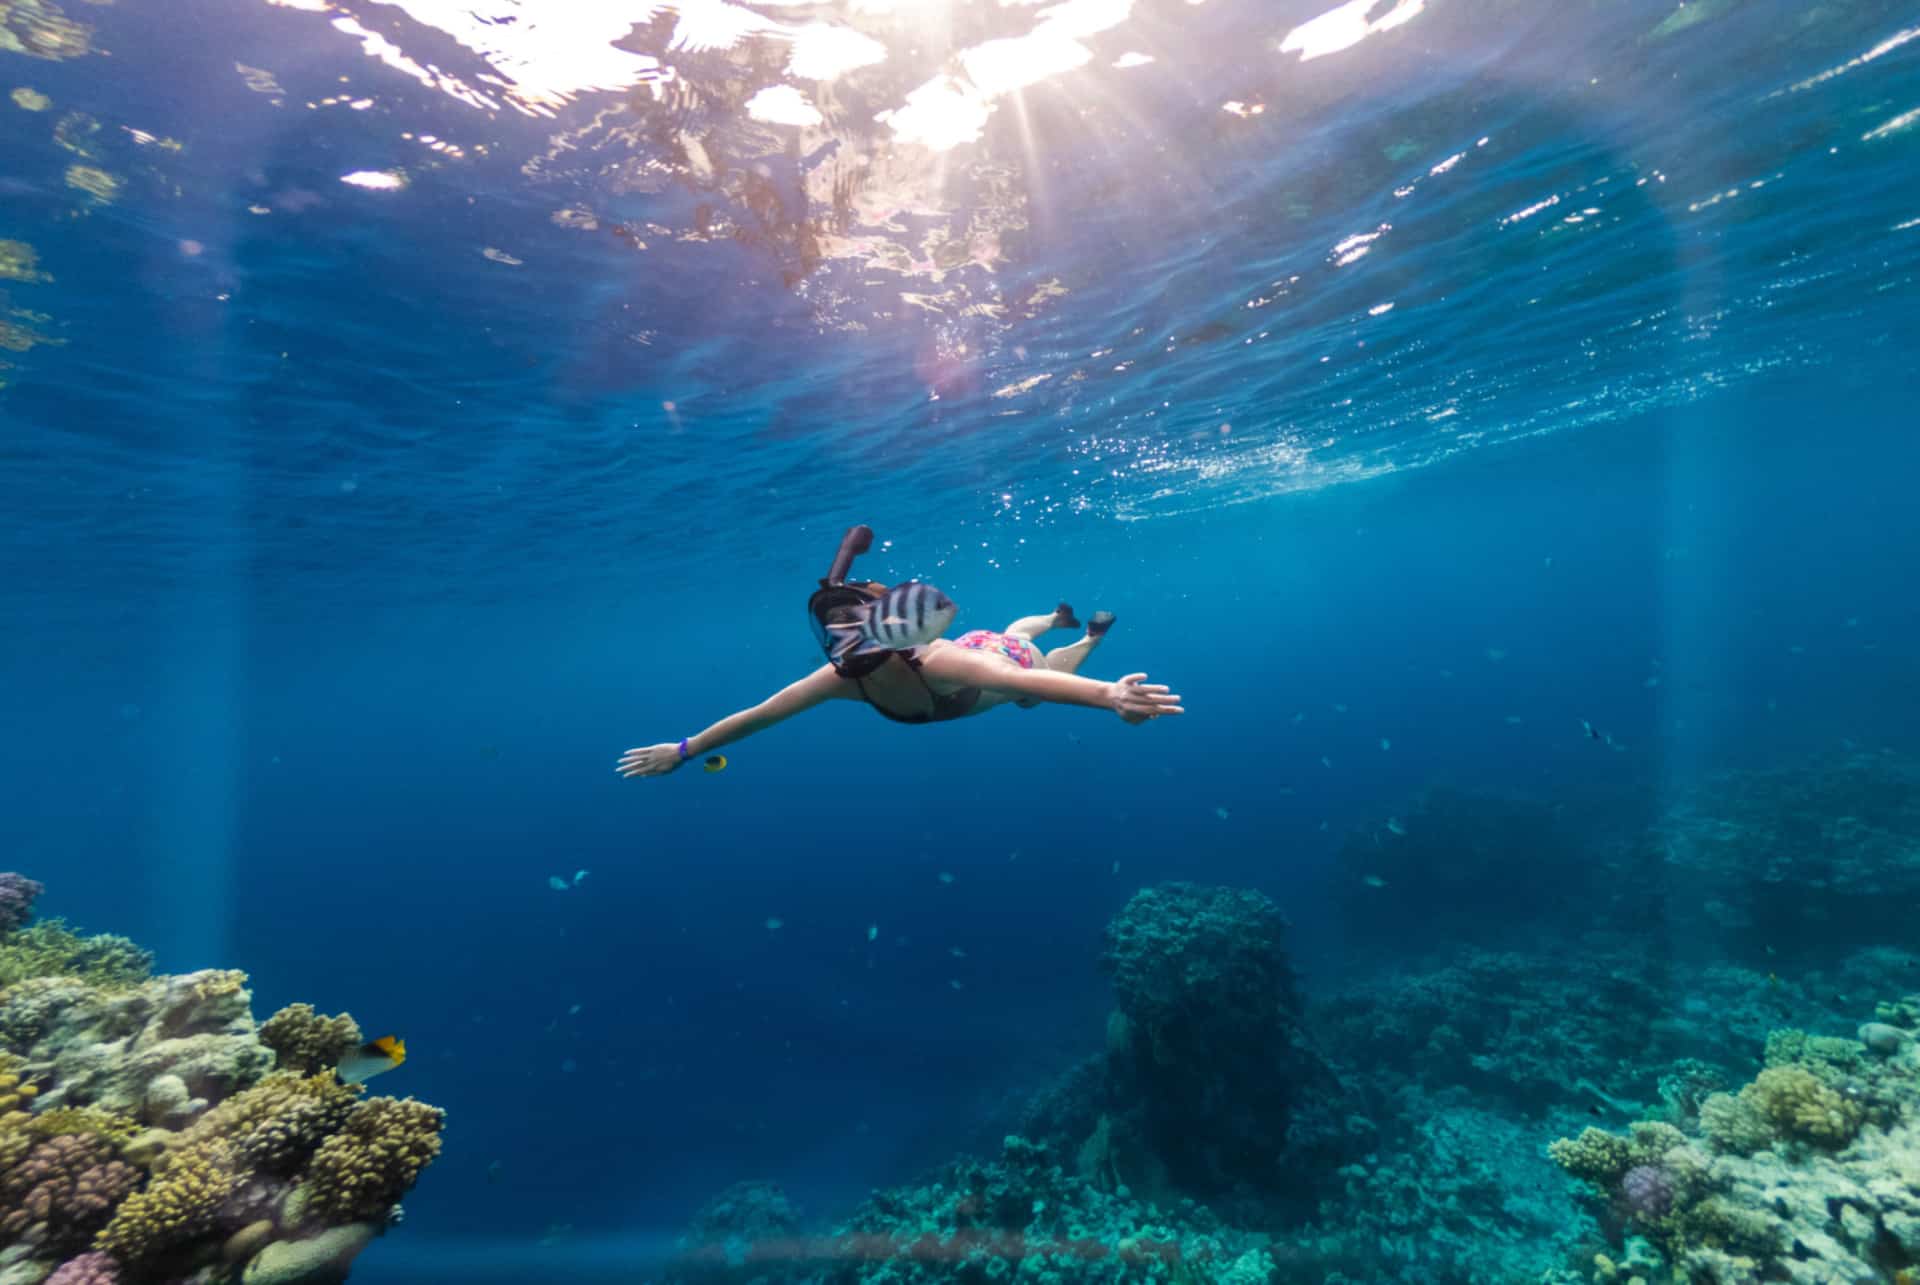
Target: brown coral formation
361, 1171
62, 1192
306, 1042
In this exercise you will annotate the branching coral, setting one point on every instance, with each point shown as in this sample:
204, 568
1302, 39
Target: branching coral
361, 1171
63, 1191
275, 1126
306, 1042
180, 1205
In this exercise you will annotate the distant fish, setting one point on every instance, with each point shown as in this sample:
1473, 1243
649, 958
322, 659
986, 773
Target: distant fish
372, 1058
715, 763
873, 932
908, 615
1374, 881
774, 923
494, 1171
558, 884
1595, 734
1394, 826
1386, 743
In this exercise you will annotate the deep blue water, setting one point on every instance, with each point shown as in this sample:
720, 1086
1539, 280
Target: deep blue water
343, 558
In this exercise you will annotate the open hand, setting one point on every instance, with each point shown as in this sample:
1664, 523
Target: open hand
650, 760
1136, 701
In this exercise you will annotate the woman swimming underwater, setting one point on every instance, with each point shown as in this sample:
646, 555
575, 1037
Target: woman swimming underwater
884, 647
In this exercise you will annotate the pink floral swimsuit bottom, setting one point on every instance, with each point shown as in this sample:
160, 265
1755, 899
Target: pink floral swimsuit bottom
1012, 646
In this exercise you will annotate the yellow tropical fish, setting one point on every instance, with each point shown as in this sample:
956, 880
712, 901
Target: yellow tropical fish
715, 763
372, 1058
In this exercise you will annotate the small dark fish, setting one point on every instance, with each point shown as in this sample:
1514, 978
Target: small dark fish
1595, 734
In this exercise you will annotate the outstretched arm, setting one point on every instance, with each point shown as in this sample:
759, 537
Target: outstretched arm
1129, 697
655, 760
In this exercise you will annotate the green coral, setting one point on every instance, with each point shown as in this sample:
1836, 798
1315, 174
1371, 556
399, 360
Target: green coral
305, 1041
1596, 1156
1734, 1124
51, 949
1801, 1105
361, 1171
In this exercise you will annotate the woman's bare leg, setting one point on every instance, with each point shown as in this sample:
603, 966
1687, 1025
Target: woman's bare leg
1067, 659
1031, 627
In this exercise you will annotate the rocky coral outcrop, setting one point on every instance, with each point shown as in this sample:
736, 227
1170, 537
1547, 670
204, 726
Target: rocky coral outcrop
145, 1137
1209, 1087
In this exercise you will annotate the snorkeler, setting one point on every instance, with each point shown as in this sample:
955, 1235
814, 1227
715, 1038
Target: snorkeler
884, 647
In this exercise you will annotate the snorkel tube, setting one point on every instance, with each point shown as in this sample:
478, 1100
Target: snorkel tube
855, 542
836, 601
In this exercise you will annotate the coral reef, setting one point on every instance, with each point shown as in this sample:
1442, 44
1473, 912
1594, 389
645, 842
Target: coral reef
145, 1136
1810, 1173
1803, 856
1026, 1217
1524, 1028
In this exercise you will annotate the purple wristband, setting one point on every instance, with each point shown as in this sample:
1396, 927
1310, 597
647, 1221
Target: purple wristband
683, 749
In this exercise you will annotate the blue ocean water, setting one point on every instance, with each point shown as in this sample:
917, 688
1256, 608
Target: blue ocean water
410, 406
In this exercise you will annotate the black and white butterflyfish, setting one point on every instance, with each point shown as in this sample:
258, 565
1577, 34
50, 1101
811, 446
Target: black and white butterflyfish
908, 615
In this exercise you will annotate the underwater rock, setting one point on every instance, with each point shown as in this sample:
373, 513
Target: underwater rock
741, 1235
1882, 1039
106, 1048
1212, 1087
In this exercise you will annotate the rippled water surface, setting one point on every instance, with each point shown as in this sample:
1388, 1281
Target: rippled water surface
357, 294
